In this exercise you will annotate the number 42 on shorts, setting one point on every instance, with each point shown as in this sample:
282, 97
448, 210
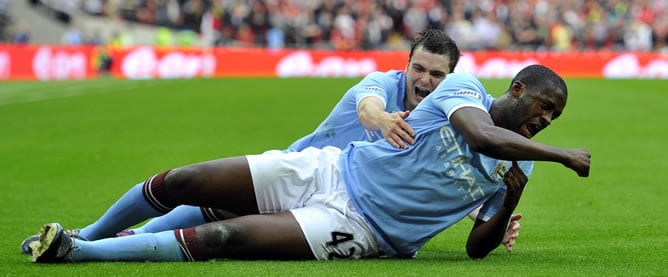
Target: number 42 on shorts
333, 246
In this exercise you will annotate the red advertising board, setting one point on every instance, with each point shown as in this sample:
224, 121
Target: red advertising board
568, 64
145, 62
34, 62
150, 62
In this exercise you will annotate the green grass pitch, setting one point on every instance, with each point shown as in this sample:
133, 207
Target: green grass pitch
69, 149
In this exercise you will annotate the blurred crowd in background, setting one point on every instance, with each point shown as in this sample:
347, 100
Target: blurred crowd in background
525, 25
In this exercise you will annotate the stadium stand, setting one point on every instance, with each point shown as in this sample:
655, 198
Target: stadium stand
639, 25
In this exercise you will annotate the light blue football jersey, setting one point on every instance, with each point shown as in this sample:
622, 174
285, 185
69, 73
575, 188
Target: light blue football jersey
410, 195
343, 126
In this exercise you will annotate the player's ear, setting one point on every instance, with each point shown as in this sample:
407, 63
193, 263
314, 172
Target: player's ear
517, 88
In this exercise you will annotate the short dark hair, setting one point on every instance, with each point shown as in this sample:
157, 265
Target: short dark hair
438, 42
538, 78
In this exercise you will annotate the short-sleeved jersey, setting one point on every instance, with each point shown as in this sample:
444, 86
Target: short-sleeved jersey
342, 125
410, 195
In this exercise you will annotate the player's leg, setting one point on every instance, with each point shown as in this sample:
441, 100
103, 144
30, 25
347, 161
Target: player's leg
228, 177
128, 210
224, 182
181, 217
56, 246
329, 228
268, 236
275, 236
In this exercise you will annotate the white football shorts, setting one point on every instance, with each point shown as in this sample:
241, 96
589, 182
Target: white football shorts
309, 185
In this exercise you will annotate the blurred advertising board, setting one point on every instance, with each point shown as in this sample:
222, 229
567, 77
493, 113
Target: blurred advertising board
34, 62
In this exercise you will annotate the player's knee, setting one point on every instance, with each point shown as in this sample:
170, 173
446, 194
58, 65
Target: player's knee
219, 238
181, 181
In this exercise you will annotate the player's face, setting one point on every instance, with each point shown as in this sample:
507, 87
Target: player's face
424, 72
536, 110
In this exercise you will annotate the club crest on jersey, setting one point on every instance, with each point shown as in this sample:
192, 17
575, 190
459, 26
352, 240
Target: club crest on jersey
471, 93
500, 171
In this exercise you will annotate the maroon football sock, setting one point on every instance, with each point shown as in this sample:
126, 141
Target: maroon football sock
191, 248
156, 195
209, 215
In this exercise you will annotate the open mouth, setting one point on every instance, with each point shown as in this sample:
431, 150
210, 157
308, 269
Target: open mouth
421, 92
533, 129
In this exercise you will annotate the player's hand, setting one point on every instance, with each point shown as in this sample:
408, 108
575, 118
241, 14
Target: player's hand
513, 231
515, 181
579, 161
396, 131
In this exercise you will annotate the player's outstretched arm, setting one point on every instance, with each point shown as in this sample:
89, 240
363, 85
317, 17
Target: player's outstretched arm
373, 116
484, 137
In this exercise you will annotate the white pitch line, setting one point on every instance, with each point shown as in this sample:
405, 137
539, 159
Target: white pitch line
36, 92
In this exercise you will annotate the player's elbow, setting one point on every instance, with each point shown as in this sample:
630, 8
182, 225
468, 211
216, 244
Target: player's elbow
476, 252
479, 247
